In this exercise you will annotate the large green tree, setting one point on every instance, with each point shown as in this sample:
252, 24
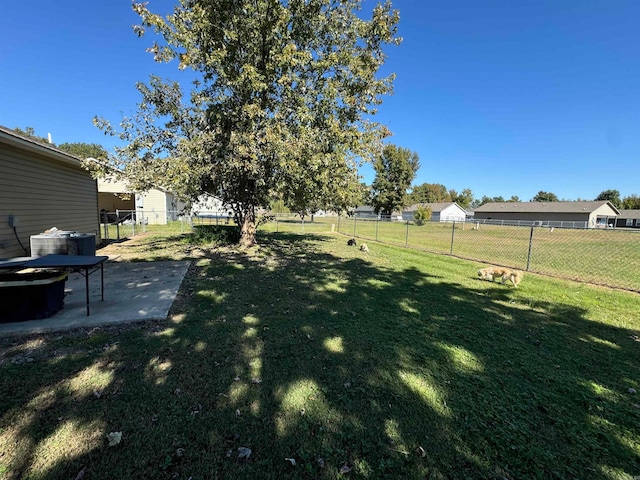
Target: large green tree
611, 195
430, 193
631, 202
395, 169
281, 104
463, 198
542, 196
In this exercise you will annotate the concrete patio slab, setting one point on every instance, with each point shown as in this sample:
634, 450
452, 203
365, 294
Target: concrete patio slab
132, 292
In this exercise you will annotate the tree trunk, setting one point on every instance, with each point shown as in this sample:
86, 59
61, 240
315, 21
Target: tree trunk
248, 228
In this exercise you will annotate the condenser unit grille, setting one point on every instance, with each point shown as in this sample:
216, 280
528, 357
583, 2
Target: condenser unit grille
72, 244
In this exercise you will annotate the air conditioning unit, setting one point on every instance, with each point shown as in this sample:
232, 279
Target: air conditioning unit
63, 243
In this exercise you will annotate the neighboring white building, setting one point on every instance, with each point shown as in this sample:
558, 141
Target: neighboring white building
208, 205
155, 206
440, 212
367, 211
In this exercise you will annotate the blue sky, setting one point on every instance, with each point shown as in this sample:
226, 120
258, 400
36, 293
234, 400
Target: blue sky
503, 97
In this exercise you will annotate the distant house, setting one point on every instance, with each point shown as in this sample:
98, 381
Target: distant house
208, 205
440, 212
41, 187
155, 206
367, 211
628, 219
598, 214
470, 214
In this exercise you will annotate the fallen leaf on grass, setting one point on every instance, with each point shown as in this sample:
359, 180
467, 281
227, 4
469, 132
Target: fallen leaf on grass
114, 438
420, 451
80, 474
97, 393
291, 460
244, 452
256, 380
632, 391
320, 462
345, 469
238, 414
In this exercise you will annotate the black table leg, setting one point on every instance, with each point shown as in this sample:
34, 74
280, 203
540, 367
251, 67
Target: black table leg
86, 283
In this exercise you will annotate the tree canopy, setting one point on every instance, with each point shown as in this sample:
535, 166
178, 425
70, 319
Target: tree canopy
280, 107
542, 196
485, 199
463, 198
30, 132
395, 169
84, 150
437, 192
612, 196
430, 193
631, 202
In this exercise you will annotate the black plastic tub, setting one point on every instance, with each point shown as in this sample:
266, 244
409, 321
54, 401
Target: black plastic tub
30, 296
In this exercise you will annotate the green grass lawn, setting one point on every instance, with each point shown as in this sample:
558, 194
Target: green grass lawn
392, 364
604, 257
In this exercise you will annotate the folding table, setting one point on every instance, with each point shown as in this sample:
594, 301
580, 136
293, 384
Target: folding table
83, 264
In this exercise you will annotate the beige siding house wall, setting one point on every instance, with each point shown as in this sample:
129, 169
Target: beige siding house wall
42, 187
157, 206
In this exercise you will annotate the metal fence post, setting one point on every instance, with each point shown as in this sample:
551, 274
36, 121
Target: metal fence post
105, 222
406, 237
354, 225
377, 222
277, 225
453, 233
530, 246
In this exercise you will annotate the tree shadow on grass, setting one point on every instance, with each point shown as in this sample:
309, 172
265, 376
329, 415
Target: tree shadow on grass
385, 370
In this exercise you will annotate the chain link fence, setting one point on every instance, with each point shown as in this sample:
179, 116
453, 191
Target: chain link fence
609, 257
121, 224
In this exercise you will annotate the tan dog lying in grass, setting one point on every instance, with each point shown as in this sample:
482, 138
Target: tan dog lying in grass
491, 273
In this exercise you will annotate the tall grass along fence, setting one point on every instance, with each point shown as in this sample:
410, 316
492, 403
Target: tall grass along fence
609, 257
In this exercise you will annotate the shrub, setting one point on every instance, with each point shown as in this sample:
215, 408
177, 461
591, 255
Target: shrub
216, 234
422, 215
